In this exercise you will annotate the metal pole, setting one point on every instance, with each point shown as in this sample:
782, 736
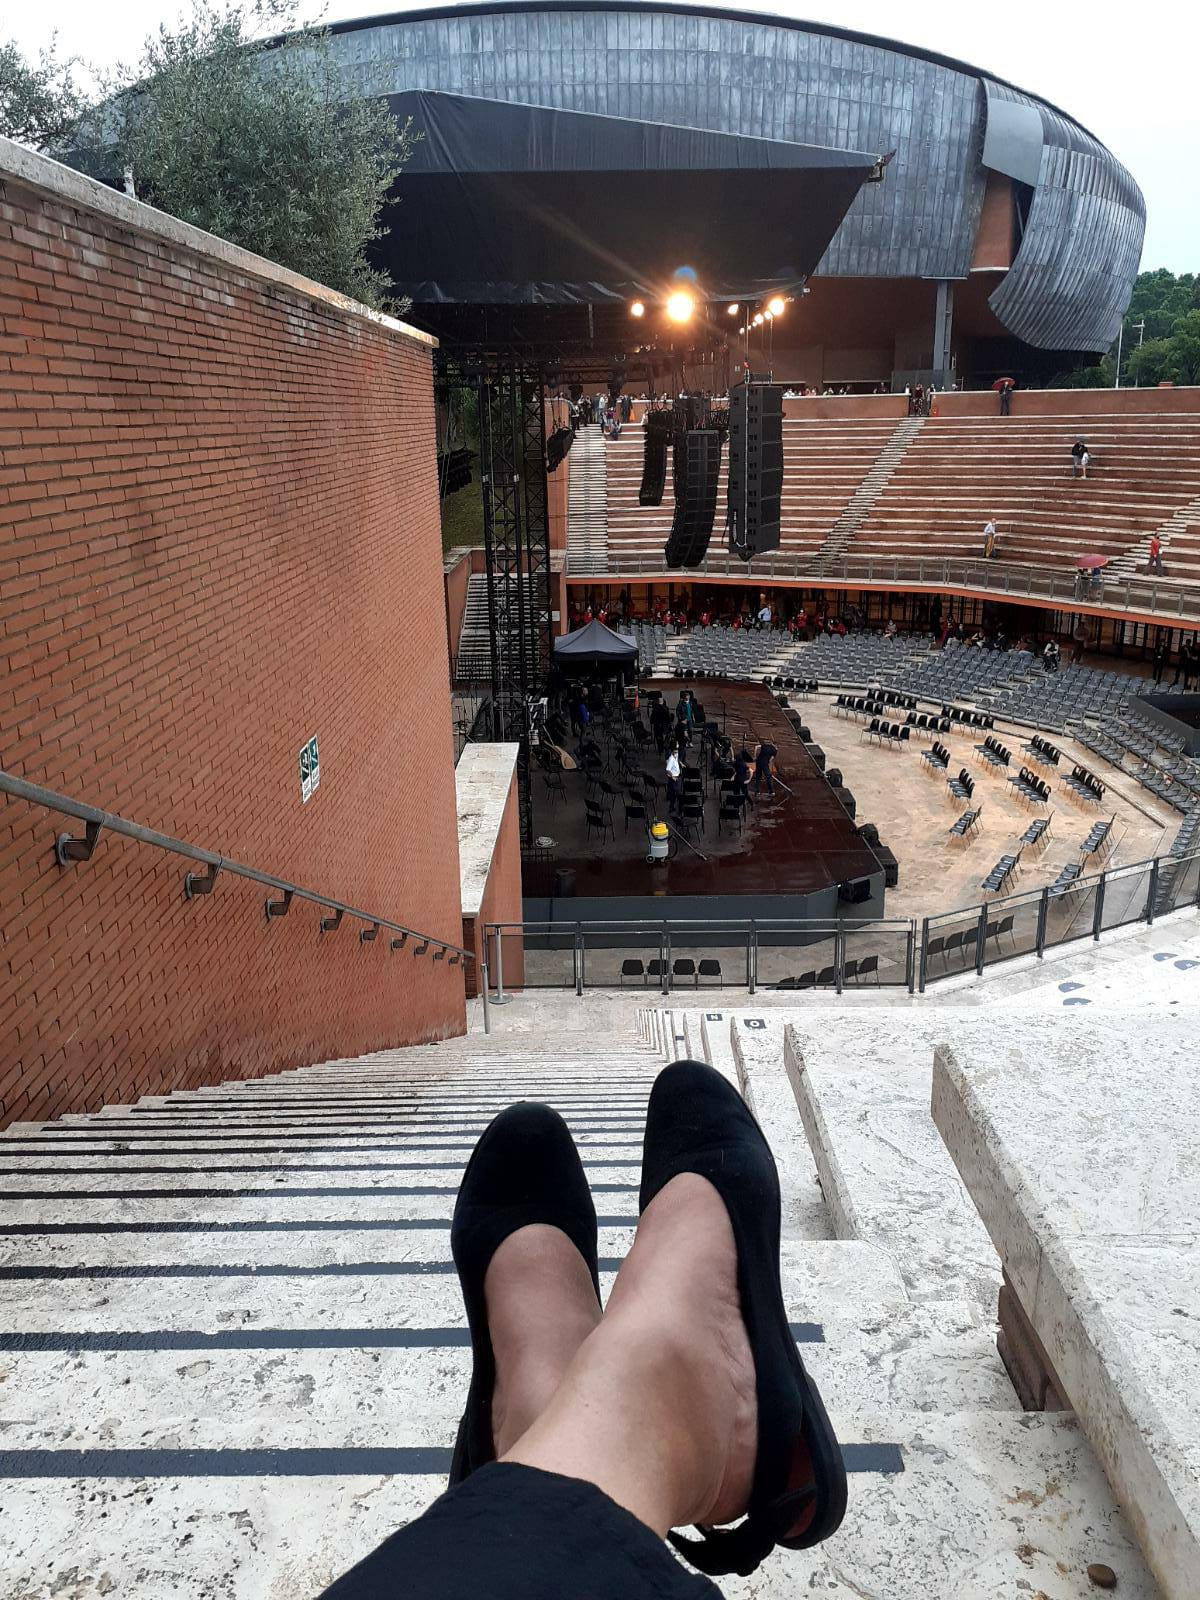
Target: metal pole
839, 956
1152, 892
579, 958
1098, 913
499, 967
910, 955
1120, 342
924, 959
483, 990
1043, 908
981, 939
753, 952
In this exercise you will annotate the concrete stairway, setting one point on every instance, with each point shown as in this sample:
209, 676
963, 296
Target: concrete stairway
869, 490
587, 503
1133, 563
233, 1353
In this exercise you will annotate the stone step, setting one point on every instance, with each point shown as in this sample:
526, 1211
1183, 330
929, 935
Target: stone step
864, 1098
982, 1505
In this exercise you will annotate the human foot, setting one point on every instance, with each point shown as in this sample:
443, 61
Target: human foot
541, 1306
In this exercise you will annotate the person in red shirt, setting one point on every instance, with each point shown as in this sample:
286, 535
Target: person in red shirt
1156, 560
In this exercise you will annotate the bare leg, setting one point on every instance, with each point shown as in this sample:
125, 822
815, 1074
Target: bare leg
658, 1407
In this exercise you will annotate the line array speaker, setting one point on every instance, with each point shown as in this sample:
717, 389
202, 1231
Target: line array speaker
755, 468
698, 464
657, 436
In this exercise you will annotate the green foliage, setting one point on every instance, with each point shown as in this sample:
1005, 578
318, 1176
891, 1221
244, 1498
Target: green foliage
39, 105
1175, 359
1162, 298
232, 120
1098, 376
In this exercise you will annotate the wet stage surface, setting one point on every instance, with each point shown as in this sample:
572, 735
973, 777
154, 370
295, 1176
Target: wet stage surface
792, 844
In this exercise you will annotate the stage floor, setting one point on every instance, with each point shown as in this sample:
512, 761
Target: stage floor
792, 844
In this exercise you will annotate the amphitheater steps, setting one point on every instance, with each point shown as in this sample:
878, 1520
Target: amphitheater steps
1135, 561
868, 492
234, 1355
587, 502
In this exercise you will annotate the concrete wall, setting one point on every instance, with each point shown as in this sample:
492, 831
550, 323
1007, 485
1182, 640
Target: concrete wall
456, 578
221, 538
489, 834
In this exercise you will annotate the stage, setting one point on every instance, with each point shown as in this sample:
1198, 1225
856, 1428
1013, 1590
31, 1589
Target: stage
787, 863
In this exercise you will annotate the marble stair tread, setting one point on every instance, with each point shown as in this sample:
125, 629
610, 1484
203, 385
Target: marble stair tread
986, 1507
758, 1047
1083, 1157
843, 1279
864, 1097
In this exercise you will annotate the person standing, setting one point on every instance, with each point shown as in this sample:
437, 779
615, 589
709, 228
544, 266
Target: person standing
1191, 667
764, 616
1159, 662
989, 539
741, 778
1078, 640
1155, 563
674, 792
764, 757
1080, 459
1006, 389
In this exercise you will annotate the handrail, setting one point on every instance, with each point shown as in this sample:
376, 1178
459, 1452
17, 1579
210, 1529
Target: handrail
1165, 596
68, 849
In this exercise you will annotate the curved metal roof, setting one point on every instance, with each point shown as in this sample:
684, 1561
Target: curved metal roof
759, 76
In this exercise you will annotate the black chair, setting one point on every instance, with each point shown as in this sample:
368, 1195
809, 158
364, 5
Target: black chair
636, 809
826, 977
632, 969
554, 785
655, 970
868, 967
849, 971
936, 946
711, 969
732, 815
598, 821
690, 821
685, 967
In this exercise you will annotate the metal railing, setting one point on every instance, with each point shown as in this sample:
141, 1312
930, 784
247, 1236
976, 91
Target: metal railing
1163, 597
837, 954
70, 848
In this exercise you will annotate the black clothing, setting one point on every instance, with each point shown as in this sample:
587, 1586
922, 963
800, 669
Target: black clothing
514, 1533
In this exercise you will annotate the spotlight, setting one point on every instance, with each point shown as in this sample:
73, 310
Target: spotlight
758, 319
770, 316
777, 305
680, 306
733, 309
637, 309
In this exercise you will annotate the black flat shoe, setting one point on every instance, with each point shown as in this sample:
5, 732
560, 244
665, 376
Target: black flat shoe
697, 1123
525, 1169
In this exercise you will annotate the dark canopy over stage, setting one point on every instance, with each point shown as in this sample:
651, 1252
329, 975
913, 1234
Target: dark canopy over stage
594, 648
506, 204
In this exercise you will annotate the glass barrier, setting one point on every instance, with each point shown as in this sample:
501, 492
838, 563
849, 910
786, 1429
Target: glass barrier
536, 955
876, 953
1071, 911
1178, 884
796, 958
621, 955
1011, 928
1126, 893
953, 938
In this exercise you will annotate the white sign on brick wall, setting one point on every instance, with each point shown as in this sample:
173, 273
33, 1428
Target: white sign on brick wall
310, 770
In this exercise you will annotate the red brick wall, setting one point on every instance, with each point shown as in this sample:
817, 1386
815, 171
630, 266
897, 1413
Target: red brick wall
218, 536
456, 580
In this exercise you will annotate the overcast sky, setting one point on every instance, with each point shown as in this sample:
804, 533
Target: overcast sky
1128, 73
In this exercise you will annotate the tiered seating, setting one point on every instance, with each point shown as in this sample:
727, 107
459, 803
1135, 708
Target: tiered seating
824, 461
960, 471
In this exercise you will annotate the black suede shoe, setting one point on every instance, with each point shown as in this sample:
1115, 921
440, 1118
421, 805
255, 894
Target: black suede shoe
697, 1123
525, 1169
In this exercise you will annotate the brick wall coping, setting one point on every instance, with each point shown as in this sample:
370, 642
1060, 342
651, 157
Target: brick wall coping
483, 778
62, 183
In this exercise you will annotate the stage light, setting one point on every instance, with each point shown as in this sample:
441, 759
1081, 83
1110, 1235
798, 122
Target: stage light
637, 309
680, 306
733, 309
770, 316
777, 305
758, 319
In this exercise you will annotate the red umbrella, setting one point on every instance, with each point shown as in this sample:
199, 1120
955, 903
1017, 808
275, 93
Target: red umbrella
1092, 562
1000, 382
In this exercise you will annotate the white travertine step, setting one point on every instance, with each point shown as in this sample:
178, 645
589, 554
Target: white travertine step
864, 1096
1083, 1156
718, 1046
758, 1047
987, 1508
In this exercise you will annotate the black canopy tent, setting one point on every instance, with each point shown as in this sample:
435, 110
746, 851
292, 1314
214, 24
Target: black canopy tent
595, 649
526, 205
